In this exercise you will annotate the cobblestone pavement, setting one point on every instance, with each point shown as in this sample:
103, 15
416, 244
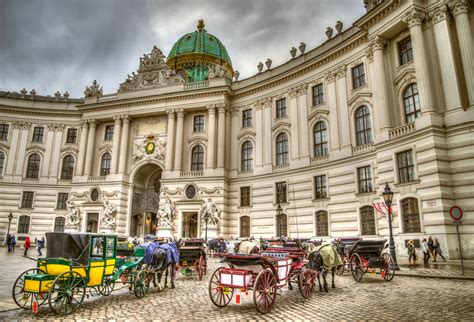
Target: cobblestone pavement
405, 298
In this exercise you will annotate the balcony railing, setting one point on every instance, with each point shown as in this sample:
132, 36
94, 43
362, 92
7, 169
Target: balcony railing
30, 180
191, 173
281, 167
245, 172
196, 85
363, 148
96, 179
401, 130
319, 160
108, 97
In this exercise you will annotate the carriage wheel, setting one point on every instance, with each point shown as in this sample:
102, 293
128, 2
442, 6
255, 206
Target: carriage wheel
202, 268
25, 299
356, 267
306, 282
264, 291
220, 296
340, 269
67, 293
107, 286
387, 271
141, 284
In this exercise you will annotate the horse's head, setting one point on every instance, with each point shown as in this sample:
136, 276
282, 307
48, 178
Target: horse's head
236, 247
315, 261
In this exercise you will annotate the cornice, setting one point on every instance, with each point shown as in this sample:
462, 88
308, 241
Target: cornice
377, 13
27, 111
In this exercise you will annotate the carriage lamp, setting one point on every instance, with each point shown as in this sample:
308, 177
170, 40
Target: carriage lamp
387, 195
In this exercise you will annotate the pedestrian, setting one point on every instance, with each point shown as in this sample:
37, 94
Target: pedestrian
40, 246
411, 252
437, 249
36, 240
26, 245
431, 248
9, 242
222, 246
426, 252
13, 243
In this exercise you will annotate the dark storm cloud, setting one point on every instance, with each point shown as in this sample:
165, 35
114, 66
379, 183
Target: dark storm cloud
63, 45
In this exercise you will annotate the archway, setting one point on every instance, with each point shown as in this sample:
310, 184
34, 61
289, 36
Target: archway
145, 200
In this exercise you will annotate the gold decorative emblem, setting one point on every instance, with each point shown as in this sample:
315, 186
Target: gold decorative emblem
150, 145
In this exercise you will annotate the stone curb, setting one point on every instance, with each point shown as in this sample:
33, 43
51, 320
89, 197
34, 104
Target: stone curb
469, 278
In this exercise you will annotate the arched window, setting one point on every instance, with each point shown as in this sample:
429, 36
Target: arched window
32, 170
281, 225
367, 220
59, 224
245, 226
282, 149
320, 134
322, 225
247, 156
410, 215
362, 125
105, 164
197, 158
411, 102
2, 161
24, 225
68, 167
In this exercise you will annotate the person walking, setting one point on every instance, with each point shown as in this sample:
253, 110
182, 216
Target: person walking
411, 252
9, 242
40, 246
437, 249
431, 248
13, 243
26, 245
426, 252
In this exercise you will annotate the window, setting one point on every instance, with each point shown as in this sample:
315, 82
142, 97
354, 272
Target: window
405, 51
247, 156
320, 187
358, 76
281, 192
281, 108
406, 168
62, 198
282, 149
320, 134
109, 133
410, 215
32, 170
282, 225
247, 118
2, 162
105, 164
38, 134
59, 223
197, 158
71, 136
365, 179
4, 131
244, 196
27, 199
363, 127
367, 220
318, 94
322, 226
24, 225
245, 226
411, 102
68, 167
198, 123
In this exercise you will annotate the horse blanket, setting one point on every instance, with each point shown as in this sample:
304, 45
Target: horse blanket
331, 257
247, 245
170, 248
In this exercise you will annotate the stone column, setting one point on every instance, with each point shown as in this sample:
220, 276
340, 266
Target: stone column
170, 140
234, 156
56, 156
342, 108
379, 85
20, 157
90, 148
259, 139
211, 137
179, 140
303, 110
221, 136
48, 150
15, 141
460, 11
116, 144
267, 140
333, 113
82, 148
294, 129
414, 19
124, 144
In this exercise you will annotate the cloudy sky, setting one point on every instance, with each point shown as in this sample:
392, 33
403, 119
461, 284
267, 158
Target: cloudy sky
63, 45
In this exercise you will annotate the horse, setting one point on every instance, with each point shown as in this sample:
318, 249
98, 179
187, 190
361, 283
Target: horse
247, 247
323, 258
213, 246
162, 258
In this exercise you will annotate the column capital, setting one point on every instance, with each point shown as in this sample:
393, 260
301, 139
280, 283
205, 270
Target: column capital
92, 124
84, 123
171, 113
459, 7
234, 111
222, 108
330, 76
293, 92
180, 113
211, 109
369, 53
439, 14
60, 127
414, 17
341, 71
125, 119
117, 119
303, 89
378, 43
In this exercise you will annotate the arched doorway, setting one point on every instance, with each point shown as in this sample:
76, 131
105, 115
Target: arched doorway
145, 200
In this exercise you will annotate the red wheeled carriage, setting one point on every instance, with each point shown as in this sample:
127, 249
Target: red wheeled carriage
368, 256
263, 273
192, 258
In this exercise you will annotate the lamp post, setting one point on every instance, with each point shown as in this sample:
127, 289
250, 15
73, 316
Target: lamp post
387, 195
10, 217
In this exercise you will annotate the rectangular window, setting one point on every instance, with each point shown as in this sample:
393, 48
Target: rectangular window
406, 168
281, 108
199, 123
71, 136
27, 199
62, 198
405, 51
320, 187
281, 192
109, 133
244, 196
365, 179
247, 118
4, 131
24, 225
358, 76
59, 224
318, 94
38, 134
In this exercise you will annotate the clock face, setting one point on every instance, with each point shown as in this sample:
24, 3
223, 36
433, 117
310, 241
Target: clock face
150, 147
190, 192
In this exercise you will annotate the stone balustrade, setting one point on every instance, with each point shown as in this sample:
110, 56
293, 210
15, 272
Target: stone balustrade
363, 148
108, 97
245, 172
320, 159
191, 174
96, 179
196, 85
281, 167
401, 130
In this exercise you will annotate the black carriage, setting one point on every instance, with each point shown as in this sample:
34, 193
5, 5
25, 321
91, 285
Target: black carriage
369, 256
192, 258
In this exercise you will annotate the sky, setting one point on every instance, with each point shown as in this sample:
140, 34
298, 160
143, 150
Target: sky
63, 45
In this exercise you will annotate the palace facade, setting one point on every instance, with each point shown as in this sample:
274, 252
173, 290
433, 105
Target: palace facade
387, 100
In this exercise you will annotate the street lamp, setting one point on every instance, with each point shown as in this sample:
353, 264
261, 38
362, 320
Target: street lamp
10, 217
387, 195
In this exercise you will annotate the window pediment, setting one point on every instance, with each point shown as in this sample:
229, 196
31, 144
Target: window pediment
36, 147
70, 149
246, 133
319, 113
360, 99
281, 125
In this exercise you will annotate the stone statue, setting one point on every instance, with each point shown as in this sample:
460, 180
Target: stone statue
339, 26
260, 66
268, 63
302, 47
166, 213
329, 32
209, 212
236, 75
108, 213
94, 90
73, 219
293, 52
217, 71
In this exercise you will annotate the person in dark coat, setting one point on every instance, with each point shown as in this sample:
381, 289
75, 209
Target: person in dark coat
26, 245
430, 244
222, 246
40, 246
437, 249
9, 242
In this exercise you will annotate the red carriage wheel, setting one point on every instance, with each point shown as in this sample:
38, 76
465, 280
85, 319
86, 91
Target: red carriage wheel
264, 291
357, 268
306, 282
220, 296
387, 269
202, 267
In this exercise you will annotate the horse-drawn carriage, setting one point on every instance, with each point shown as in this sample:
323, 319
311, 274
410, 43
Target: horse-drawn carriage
192, 257
343, 246
368, 256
